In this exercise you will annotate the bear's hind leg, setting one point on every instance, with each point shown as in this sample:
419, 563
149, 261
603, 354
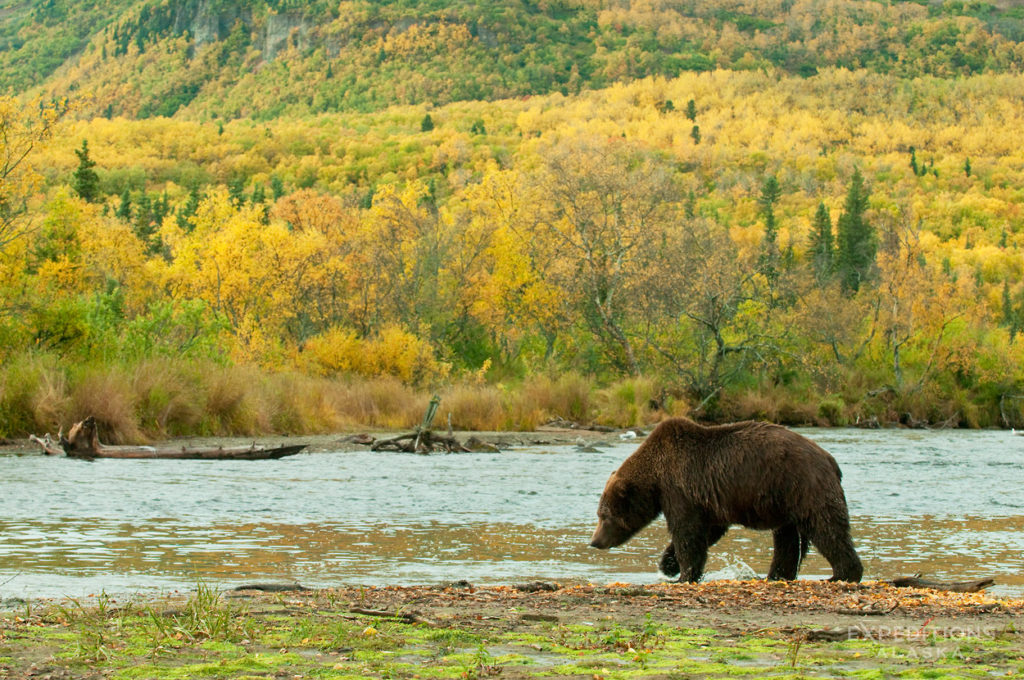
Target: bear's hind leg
786, 553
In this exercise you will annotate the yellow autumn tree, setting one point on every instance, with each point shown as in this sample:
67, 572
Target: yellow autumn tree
23, 129
508, 292
246, 269
605, 205
918, 307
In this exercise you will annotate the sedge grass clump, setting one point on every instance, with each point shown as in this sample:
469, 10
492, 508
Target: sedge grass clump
382, 402
629, 402
106, 393
167, 397
232, 404
98, 631
205, 616
473, 407
34, 395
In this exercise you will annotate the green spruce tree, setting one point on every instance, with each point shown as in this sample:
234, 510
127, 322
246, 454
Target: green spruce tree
124, 209
1013, 314
856, 240
277, 187
187, 211
143, 223
86, 182
768, 262
236, 190
823, 244
690, 205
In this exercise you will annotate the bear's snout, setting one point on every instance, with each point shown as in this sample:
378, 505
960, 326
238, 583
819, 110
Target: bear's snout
601, 539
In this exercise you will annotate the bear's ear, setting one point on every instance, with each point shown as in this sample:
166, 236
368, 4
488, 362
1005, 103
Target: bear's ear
626, 490
637, 506
619, 491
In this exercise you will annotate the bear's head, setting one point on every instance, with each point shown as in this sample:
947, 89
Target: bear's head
625, 508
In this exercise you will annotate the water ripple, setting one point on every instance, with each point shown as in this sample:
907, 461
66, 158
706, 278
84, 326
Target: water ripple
944, 503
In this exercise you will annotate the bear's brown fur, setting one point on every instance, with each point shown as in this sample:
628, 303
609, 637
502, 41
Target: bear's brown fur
704, 479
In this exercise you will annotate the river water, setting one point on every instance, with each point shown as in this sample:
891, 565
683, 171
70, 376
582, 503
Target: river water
948, 504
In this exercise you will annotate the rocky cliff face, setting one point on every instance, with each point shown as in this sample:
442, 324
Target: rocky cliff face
209, 21
205, 27
282, 30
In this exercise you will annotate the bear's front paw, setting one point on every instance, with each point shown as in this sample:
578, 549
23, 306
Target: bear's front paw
669, 565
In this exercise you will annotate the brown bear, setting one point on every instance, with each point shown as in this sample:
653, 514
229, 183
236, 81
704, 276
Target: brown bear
704, 479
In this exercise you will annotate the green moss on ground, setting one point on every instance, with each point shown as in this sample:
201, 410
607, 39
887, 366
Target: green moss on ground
322, 635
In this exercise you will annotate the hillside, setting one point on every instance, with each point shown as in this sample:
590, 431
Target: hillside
264, 58
249, 208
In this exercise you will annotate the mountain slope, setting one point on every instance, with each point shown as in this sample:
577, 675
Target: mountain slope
263, 58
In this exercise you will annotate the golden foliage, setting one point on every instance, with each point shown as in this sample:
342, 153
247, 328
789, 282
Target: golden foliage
24, 129
392, 352
584, 233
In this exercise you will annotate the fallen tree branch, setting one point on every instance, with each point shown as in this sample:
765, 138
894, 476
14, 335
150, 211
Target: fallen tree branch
954, 587
50, 447
272, 587
419, 442
835, 634
408, 617
867, 612
83, 442
422, 439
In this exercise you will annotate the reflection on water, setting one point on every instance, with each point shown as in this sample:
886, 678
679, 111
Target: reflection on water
945, 504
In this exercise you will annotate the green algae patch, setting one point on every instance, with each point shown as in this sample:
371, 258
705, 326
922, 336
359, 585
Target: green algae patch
211, 667
438, 633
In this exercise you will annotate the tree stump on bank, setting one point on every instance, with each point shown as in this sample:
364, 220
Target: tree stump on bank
422, 440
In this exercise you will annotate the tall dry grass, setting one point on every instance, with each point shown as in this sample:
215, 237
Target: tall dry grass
169, 398
543, 398
160, 398
631, 402
777, 404
380, 402
472, 407
233, 405
34, 395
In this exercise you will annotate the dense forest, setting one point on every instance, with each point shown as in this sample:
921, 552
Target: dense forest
261, 59
264, 217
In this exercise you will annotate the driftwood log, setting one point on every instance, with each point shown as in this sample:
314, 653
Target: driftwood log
422, 439
953, 587
50, 446
419, 442
83, 442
